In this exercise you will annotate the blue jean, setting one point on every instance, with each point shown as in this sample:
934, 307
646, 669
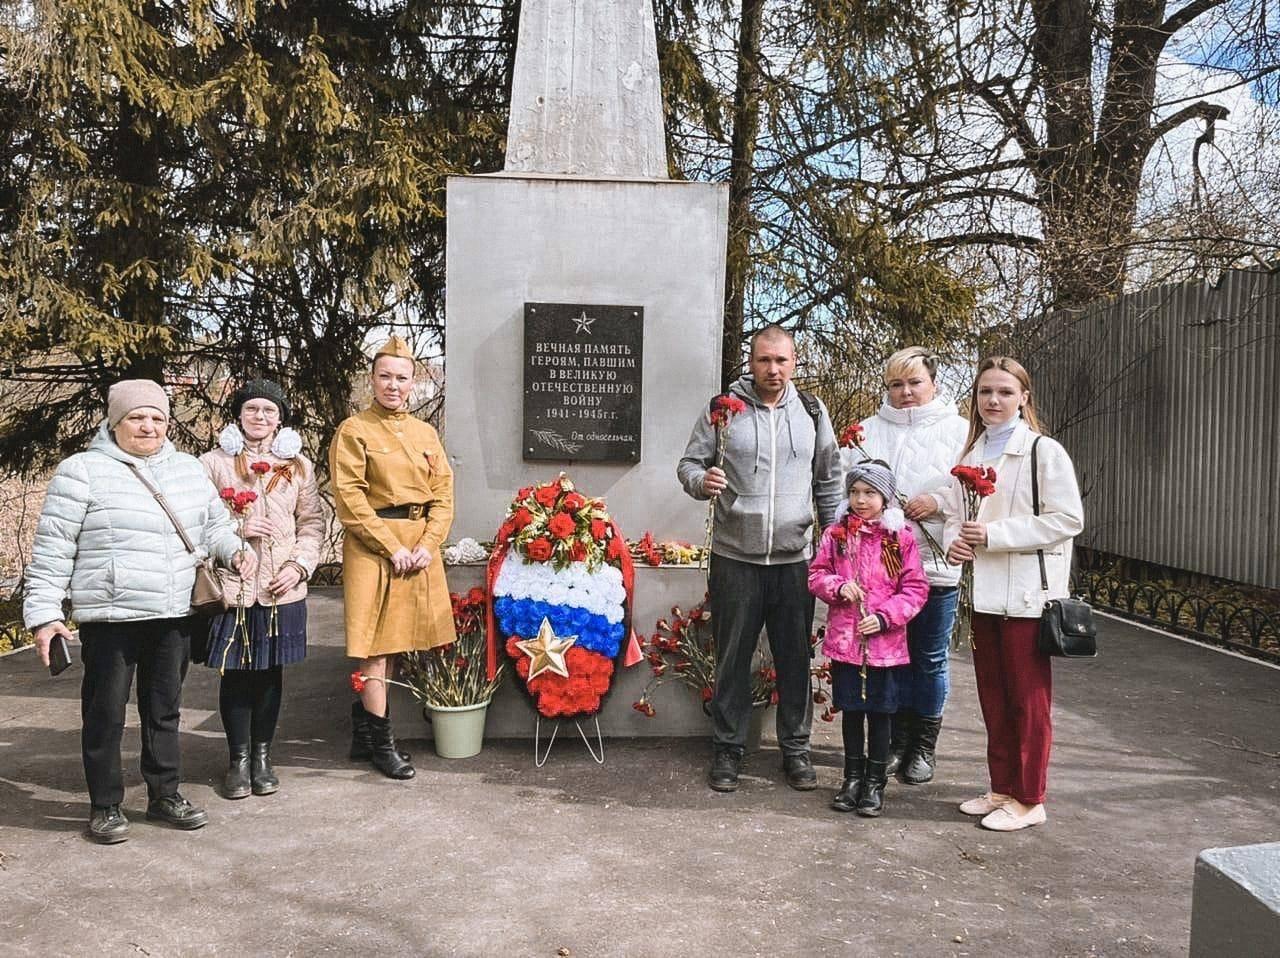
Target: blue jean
928, 636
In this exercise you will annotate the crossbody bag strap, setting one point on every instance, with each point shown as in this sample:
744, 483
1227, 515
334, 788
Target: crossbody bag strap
1035, 506
159, 496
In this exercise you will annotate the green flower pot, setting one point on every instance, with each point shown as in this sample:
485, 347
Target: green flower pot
458, 730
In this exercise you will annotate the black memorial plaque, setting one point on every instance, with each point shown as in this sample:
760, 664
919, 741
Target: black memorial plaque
582, 372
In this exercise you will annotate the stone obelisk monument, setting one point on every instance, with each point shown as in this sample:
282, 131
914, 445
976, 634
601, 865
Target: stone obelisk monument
583, 315
582, 243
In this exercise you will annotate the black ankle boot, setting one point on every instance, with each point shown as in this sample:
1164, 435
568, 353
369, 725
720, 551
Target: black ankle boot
361, 737
725, 766
846, 799
385, 756
901, 737
871, 801
261, 774
235, 784
917, 768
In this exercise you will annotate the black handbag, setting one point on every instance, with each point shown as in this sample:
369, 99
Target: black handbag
1067, 629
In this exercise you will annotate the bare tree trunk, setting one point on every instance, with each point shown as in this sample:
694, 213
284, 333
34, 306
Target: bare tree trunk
746, 126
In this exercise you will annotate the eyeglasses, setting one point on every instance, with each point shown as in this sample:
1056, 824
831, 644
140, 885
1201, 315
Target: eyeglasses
266, 412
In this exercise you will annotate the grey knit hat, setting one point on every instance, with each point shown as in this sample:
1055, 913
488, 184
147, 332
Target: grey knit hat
260, 389
875, 474
130, 394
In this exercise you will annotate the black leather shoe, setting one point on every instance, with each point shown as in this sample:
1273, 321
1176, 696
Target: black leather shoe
262, 776
902, 737
723, 776
871, 801
800, 772
917, 768
235, 784
362, 738
176, 812
107, 825
846, 799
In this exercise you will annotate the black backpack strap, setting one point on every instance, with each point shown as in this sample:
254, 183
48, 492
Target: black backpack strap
814, 408
1035, 506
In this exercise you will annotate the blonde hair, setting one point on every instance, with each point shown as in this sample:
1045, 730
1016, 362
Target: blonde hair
902, 363
1015, 369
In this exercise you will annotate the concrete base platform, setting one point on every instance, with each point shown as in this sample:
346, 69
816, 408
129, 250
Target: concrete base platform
1235, 902
1162, 749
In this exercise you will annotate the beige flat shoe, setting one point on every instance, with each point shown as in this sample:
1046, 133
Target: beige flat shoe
984, 804
1014, 816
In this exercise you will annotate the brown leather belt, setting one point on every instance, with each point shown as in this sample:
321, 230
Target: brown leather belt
415, 511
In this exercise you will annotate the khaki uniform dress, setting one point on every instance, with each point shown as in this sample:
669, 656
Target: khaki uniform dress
379, 459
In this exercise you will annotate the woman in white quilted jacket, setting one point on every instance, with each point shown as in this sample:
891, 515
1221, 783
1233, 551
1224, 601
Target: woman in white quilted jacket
107, 543
920, 435
1021, 555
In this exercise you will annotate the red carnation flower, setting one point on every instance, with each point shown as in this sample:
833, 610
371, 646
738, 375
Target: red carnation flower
260, 467
653, 557
539, 550
562, 525
357, 682
547, 495
476, 595
706, 694
578, 551
724, 407
616, 549
228, 494
521, 518
524, 492
598, 529
574, 501
852, 436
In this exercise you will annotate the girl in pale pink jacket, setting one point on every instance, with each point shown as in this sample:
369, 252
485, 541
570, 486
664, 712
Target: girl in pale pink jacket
868, 572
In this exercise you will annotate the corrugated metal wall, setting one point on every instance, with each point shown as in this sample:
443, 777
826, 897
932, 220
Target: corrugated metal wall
1169, 403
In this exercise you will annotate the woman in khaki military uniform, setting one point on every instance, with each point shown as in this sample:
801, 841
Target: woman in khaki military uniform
393, 493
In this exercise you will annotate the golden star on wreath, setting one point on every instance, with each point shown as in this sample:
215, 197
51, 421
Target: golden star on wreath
547, 651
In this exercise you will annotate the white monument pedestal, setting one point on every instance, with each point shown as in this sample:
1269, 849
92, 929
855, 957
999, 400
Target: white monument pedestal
658, 244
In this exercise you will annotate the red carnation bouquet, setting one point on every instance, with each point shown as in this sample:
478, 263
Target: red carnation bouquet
976, 483
723, 410
554, 523
239, 505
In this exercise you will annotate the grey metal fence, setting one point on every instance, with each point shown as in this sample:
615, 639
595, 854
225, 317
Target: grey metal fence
1169, 402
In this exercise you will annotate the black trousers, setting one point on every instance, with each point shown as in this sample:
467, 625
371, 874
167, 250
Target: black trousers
745, 598
158, 651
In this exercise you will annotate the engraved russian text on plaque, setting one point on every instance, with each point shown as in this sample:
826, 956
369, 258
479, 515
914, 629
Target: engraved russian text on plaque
582, 374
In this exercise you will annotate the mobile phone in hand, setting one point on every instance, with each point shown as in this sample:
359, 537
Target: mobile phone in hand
59, 655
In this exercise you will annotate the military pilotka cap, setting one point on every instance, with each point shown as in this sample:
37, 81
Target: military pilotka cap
395, 346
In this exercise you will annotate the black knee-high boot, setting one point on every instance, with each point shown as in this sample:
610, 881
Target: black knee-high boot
267, 688
235, 705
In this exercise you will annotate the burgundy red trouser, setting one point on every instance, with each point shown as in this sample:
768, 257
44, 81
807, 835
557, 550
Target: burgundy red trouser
1015, 689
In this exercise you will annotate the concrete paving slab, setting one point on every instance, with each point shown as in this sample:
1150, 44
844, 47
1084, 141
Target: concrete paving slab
1163, 749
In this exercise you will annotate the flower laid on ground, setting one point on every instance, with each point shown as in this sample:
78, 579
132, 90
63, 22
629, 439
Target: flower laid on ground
455, 675
976, 483
560, 576
683, 648
647, 550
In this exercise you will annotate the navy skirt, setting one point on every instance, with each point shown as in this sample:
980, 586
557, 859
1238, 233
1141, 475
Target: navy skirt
884, 687
268, 647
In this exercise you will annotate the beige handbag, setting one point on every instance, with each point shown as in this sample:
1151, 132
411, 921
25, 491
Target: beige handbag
207, 597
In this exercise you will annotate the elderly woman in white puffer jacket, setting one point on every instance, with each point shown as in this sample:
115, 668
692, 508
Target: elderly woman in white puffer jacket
106, 541
920, 435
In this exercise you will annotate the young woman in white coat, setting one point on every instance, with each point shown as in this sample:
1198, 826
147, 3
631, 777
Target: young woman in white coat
920, 435
1015, 682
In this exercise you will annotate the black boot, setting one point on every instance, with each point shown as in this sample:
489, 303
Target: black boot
917, 767
262, 775
723, 775
235, 784
361, 737
871, 801
903, 734
385, 756
846, 799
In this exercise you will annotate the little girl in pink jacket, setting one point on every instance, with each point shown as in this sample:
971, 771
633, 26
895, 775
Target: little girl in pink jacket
868, 572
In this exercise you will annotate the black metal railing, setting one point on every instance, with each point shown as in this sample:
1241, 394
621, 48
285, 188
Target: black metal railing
1241, 627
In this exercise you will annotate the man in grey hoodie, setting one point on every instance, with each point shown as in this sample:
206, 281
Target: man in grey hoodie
781, 458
